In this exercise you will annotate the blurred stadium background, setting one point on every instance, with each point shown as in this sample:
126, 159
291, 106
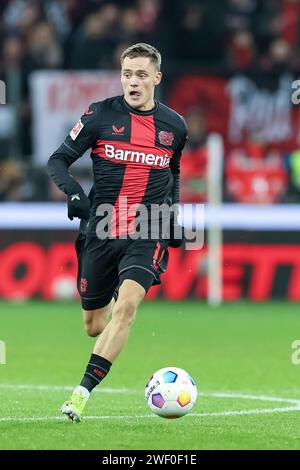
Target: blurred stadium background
228, 67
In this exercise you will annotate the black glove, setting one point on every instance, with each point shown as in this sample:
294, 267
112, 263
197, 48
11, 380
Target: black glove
78, 205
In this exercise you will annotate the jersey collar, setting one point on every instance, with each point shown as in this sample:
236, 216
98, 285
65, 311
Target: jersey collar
135, 111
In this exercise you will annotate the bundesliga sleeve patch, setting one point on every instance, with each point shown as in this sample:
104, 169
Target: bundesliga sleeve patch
76, 130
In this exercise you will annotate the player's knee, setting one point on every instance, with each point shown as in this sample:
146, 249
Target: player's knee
91, 329
95, 321
125, 311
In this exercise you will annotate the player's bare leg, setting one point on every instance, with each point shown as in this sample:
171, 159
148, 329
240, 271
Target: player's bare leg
115, 335
108, 345
96, 320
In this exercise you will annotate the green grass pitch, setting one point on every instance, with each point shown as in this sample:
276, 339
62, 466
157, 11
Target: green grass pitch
239, 355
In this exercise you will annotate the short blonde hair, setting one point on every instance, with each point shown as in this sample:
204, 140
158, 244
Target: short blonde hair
143, 50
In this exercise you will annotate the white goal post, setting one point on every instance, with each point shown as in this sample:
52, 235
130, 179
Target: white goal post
215, 152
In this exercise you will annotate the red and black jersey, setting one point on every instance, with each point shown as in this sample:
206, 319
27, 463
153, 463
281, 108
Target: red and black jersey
135, 154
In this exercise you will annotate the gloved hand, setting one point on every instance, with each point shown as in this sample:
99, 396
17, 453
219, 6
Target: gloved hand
78, 205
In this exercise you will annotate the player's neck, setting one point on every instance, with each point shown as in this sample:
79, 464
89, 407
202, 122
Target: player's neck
148, 107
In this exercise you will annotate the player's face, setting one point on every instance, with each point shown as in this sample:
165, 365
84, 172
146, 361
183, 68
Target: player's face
139, 78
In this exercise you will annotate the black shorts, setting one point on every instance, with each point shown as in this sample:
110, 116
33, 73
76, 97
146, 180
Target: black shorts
104, 264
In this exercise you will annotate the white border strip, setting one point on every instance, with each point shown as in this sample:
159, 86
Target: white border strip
282, 217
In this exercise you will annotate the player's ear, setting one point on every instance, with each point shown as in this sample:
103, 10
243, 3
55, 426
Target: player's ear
158, 78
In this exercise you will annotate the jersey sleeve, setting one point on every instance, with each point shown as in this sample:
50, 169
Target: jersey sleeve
81, 137
83, 134
175, 165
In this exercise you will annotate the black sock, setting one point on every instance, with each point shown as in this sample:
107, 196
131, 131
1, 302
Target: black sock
97, 368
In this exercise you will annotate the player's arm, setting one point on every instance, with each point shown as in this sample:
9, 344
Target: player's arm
76, 143
175, 229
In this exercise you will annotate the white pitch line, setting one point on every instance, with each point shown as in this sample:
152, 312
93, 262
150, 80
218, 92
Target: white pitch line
286, 409
61, 388
122, 417
250, 412
68, 388
251, 397
63, 418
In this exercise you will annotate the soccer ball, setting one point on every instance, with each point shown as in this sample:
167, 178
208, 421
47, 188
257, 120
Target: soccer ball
171, 392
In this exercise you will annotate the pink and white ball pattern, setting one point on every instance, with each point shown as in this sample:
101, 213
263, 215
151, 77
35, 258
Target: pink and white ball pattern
171, 392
